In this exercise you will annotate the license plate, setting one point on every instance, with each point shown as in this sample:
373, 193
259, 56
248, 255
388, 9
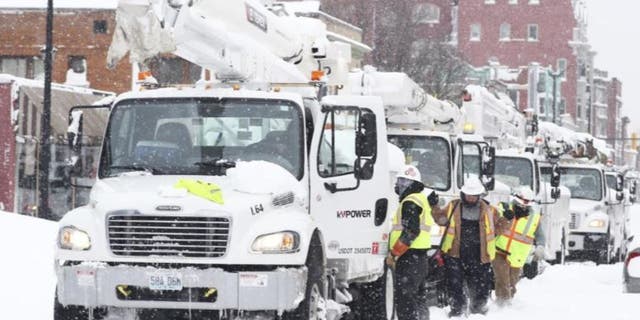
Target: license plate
171, 282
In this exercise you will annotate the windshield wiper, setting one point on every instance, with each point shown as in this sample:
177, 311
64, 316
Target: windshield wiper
134, 167
217, 166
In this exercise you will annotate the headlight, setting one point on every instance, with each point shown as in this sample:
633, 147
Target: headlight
597, 223
72, 238
279, 242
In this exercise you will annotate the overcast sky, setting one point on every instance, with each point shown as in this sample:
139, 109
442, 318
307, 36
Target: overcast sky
614, 33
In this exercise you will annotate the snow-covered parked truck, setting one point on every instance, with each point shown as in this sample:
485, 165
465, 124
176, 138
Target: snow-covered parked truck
237, 197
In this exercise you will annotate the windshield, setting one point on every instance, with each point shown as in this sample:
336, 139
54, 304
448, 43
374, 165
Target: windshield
514, 172
430, 155
193, 136
583, 183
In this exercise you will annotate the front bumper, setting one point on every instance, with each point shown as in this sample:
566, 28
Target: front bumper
587, 241
126, 286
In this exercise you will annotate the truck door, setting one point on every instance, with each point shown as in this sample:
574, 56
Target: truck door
350, 189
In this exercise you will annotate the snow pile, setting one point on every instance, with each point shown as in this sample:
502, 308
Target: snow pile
26, 271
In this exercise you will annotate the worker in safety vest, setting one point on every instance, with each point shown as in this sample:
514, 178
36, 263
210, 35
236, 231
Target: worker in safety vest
409, 240
514, 244
469, 247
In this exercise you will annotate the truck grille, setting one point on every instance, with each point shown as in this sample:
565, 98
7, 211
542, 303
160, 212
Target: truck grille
575, 221
140, 235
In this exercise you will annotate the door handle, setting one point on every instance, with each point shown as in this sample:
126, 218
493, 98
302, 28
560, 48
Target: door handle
381, 211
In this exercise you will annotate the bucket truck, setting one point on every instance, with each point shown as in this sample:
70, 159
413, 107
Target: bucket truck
223, 201
596, 208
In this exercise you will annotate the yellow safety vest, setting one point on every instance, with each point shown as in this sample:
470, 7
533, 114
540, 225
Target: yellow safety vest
489, 229
206, 190
518, 240
423, 241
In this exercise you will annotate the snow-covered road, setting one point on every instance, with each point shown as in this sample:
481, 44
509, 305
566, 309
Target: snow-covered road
574, 291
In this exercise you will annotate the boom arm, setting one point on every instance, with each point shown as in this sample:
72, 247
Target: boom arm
241, 40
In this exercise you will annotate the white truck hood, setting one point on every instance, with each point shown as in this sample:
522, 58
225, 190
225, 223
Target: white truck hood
144, 191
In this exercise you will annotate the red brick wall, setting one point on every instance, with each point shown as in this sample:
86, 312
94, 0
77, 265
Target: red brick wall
7, 149
24, 35
555, 20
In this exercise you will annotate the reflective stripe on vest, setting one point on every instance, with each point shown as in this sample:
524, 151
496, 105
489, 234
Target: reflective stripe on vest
423, 240
518, 240
489, 231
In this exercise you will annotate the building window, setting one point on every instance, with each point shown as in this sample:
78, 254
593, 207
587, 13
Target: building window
490, 1
23, 67
534, 1
100, 26
505, 31
476, 32
562, 67
513, 1
532, 32
426, 13
77, 71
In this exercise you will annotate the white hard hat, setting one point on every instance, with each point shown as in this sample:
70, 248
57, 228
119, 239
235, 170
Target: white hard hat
472, 186
524, 195
411, 173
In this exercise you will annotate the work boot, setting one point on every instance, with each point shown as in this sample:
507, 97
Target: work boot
482, 309
455, 313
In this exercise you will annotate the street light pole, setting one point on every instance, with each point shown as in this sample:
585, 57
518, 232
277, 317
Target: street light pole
45, 123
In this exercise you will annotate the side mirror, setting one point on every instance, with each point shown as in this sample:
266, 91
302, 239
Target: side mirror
619, 183
488, 167
555, 193
366, 138
555, 176
364, 169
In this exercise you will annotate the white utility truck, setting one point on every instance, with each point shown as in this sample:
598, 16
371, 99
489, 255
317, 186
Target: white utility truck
225, 202
595, 207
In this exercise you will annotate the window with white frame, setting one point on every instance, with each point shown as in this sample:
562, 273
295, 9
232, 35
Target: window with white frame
562, 67
23, 67
513, 1
534, 1
533, 34
476, 32
490, 1
505, 31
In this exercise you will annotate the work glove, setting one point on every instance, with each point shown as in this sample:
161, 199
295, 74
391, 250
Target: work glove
508, 213
433, 198
538, 253
391, 261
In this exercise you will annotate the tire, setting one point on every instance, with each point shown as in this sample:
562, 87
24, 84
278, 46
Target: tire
314, 294
530, 270
561, 256
61, 312
604, 257
375, 300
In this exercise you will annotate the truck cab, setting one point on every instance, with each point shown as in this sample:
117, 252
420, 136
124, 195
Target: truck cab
229, 202
517, 169
594, 208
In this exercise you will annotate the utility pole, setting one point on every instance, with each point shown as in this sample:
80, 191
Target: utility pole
45, 123
555, 77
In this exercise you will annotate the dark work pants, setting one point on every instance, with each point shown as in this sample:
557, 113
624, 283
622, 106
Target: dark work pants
476, 275
409, 286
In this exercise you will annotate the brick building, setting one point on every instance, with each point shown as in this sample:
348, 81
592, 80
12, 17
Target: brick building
81, 37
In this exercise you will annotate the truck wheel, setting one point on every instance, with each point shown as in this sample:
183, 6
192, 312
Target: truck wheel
61, 312
375, 300
561, 255
604, 256
530, 270
311, 307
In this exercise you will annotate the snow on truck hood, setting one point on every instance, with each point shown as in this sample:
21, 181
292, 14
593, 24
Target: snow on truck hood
583, 205
254, 178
